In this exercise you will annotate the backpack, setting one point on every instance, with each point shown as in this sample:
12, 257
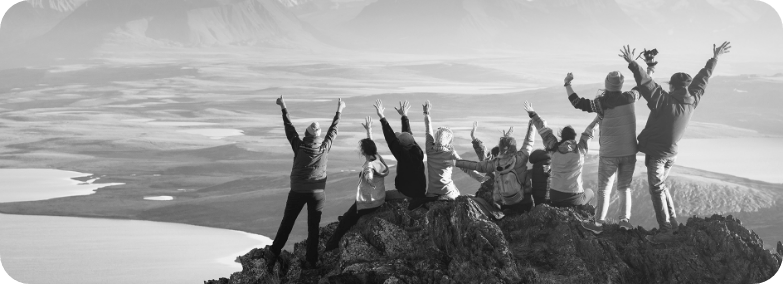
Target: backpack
509, 187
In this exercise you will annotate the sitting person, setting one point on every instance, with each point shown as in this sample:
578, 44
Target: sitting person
411, 180
370, 193
509, 169
568, 157
539, 175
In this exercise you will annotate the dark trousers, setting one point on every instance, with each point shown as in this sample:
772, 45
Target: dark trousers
349, 219
658, 169
296, 201
564, 199
518, 208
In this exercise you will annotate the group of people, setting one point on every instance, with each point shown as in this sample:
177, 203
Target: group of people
555, 177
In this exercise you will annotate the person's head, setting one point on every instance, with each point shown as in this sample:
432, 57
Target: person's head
405, 138
443, 137
679, 80
495, 151
567, 133
314, 130
367, 148
507, 145
614, 81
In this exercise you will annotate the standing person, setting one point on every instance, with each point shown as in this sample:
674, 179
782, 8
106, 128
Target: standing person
370, 192
411, 179
440, 160
308, 181
509, 168
670, 113
617, 136
568, 158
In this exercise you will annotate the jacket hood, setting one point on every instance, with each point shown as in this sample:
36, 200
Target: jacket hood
683, 96
312, 141
567, 147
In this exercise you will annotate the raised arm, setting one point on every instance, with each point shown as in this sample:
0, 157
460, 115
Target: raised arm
700, 81
388, 132
579, 103
332, 133
478, 145
530, 138
403, 111
546, 133
428, 124
647, 87
588, 134
290, 130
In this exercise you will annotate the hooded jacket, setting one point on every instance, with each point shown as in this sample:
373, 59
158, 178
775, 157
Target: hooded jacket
568, 158
411, 179
670, 113
308, 173
371, 192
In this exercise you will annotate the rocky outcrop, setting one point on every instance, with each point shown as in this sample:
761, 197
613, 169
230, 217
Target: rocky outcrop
457, 242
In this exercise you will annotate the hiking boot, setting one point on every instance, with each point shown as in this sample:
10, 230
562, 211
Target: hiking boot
661, 237
625, 225
674, 223
595, 227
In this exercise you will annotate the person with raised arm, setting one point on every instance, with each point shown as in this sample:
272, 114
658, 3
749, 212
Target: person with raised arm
440, 160
670, 113
370, 192
308, 181
568, 158
617, 136
411, 179
509, 169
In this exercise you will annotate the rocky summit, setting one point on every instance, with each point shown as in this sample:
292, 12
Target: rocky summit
462, 242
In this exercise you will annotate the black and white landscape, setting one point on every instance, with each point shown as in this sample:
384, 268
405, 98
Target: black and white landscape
173, 100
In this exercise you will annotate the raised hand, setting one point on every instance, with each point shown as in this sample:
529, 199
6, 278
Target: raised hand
569, 77
529, 107
280, 101
509, 132
473, 131
379, 109
722, 49
404, 107
340, 105
427, 107
627, 54
367, 123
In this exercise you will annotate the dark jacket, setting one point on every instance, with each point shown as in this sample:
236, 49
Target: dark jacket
539, 176
669, 112
411, 180
308, 174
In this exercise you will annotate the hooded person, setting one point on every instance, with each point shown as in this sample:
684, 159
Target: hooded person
539, 175
568, 158
670, 113
411, 180
308, 181
617, 137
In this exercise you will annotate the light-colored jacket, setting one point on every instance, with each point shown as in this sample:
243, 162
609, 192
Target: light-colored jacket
439, 166
371, 191
568, 159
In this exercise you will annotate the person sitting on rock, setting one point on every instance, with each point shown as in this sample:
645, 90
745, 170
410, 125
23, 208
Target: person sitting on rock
568, 158
539, 175
308, 181
411, 179
440, 162
509, 169
370, 192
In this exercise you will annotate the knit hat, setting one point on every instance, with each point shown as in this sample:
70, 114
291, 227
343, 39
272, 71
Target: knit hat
313, 130
680, 80
405, 138
614, 81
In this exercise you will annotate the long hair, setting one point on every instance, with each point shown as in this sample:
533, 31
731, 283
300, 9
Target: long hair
444, 137
507, 144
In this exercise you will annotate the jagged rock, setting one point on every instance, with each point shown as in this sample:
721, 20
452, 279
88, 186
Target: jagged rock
456, 242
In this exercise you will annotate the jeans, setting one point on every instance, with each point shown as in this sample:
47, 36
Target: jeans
296, 201
610, 168
564, 199
350, 218
658, 169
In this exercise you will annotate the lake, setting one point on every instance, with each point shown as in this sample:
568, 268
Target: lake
49, 249
754, 158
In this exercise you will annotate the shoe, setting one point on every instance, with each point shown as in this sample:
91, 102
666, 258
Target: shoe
270, 258
674, 223
330, 247
416, 203
595, 227
625, 225
661, 237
